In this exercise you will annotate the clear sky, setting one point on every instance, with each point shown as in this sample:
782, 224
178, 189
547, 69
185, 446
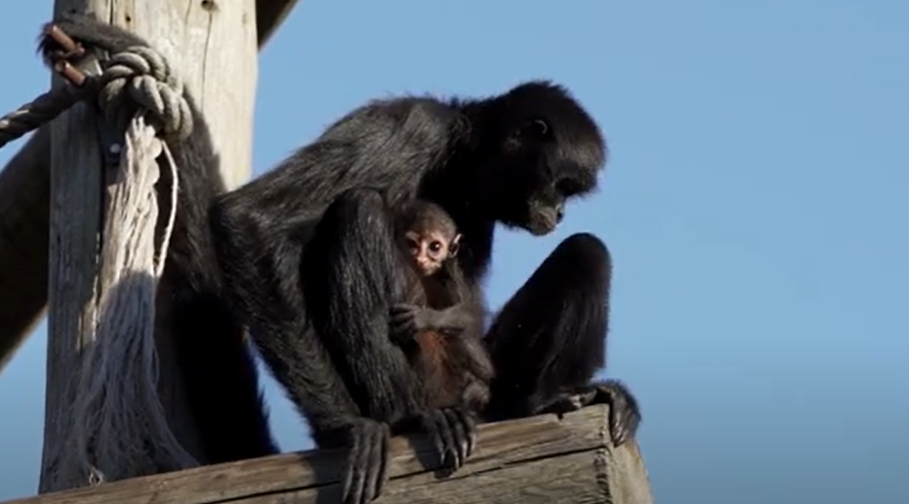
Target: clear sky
755, 204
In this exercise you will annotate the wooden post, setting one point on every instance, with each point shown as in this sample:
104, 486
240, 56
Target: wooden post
528, 461
213, 44
24, 225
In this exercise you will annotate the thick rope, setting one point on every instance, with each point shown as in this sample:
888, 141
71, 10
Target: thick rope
118, 427
122, 430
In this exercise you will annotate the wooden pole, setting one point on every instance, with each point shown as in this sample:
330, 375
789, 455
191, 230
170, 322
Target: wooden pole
24, 224
528, 461
213, 44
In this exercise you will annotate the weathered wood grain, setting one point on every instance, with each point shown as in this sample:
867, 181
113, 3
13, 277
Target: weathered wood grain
534, 460
213, 44
76, 185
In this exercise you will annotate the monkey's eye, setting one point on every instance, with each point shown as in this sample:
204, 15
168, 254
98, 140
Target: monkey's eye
435, 246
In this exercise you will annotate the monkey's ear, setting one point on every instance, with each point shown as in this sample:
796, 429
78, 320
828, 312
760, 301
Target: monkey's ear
454, 246
535, 128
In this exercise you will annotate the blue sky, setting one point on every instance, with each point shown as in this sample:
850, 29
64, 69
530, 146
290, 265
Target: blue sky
755, 204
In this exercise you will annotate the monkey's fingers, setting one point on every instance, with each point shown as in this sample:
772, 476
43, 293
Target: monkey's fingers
432, 430
399, 308
437, 427
366, 466
377, 470
402, 319
452, 455
624, 415
470, 423
461, 426
350, 481
402, 331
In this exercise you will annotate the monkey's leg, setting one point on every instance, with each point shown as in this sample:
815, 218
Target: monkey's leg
549, 340
350, 277
221, 380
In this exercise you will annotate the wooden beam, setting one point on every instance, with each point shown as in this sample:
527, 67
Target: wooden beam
213, 45
269, 16
532, 460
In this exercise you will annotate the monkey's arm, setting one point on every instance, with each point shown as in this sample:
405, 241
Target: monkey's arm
454, 319
407, 320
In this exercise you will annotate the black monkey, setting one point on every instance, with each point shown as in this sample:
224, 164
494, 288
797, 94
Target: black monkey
439, 330
288, 236
309, 255
219, 374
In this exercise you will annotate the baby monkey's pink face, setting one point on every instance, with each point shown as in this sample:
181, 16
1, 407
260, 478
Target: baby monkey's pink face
430, 249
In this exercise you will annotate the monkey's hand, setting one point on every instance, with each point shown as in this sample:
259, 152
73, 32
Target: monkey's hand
406, 321
451, 321
453, 433
624, 415
366, 471
89, 31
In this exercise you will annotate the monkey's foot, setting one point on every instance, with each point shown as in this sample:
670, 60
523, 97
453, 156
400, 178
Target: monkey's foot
624, 415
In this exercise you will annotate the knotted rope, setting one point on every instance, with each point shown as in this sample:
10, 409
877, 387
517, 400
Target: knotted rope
118, 425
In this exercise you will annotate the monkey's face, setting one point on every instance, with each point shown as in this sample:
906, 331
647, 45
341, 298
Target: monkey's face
548, 152
430, 249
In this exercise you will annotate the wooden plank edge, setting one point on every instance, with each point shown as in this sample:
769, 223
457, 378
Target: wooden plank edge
301, 474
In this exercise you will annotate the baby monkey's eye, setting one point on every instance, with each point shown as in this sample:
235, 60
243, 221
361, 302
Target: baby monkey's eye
435, 246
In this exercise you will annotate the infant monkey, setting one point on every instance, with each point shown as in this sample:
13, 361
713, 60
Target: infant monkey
439, 327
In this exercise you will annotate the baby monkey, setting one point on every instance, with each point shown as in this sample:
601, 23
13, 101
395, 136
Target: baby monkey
439, 326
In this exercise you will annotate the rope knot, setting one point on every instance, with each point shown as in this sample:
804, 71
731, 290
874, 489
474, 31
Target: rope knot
142, 76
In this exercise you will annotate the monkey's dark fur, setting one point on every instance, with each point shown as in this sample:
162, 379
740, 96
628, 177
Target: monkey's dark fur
291, 249
438, 324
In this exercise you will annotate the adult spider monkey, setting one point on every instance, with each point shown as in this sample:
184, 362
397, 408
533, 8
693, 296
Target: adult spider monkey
290, 248
439, 326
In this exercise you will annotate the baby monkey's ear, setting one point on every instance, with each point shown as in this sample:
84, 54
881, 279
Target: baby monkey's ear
454, 246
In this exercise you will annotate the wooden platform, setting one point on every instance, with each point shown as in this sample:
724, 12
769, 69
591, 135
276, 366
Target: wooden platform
534, 460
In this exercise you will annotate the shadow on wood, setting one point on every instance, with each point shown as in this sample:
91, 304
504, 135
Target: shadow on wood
533, 460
